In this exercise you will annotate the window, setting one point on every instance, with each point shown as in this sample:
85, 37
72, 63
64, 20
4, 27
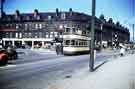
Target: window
40, 26
47, 35
7, 34
67, 30
29, 35
56, 34
20, 35
44, 25
36, 35
10, 36
76, 43
79, 43
27, 18
25, 35
49, 17
63, 16
40, 34
17, 26
16, 35
73, 30
67, 42
36, 26
38, 17
73, 42
51, 34
26, 26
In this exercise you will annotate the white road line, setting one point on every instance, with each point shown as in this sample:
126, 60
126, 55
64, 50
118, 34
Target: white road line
8, 66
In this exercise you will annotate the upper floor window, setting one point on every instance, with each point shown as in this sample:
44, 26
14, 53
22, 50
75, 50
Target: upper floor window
56, 34
73, 30
40, 26
36, 26
63, 16
40, 34
20, 35
17, 26
49, 17
38, 17
16, 35
27, 18
67, 30
26, 26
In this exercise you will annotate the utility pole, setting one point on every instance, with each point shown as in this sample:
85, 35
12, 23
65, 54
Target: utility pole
92, 44
1, 8
101, 46
133, 32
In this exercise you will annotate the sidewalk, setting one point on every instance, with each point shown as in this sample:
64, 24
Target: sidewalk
115, 74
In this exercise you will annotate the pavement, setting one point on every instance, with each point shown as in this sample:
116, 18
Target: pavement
115, 74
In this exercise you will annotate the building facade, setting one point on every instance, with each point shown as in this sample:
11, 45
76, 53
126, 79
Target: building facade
44, 29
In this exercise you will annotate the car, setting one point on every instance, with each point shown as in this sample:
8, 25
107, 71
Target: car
11, 52
3, 57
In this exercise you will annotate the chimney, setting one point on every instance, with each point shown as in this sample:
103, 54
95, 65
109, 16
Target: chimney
17, 13
57, 12
70, 11
35, 13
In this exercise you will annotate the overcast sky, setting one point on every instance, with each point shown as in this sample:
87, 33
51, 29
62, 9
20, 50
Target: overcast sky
120, 10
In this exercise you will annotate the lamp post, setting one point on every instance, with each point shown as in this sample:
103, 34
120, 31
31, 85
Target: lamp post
133, 32
1, 8
91, 61
1, 17
61, 27
101, 35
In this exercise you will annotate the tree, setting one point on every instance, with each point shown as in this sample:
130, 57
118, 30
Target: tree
102, 17
36, 11
117, 23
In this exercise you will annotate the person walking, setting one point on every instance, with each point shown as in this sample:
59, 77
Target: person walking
122, 51
57, 49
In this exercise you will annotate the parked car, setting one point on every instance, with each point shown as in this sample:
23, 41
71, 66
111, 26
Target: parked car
11, 52
3, 57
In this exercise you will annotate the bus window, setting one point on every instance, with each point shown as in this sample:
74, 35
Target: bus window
76, 43
67, 42
73, 42
67, 30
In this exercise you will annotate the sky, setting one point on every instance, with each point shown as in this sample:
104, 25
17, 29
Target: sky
120, 10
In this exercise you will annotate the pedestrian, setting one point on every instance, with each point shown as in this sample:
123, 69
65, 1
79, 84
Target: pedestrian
57, 49
122, 51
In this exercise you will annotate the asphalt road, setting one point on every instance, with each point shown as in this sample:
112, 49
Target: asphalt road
38, 71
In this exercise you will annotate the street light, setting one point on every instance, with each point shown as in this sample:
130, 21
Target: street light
61, 28
133, 32
101, 35
1, 8
91, 61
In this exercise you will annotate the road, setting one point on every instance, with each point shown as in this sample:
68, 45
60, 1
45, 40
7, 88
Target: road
37, 71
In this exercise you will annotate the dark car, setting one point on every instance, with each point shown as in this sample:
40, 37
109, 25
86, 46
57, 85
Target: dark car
11, 52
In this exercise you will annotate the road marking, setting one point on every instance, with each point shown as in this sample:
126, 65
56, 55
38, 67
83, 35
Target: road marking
8, 66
